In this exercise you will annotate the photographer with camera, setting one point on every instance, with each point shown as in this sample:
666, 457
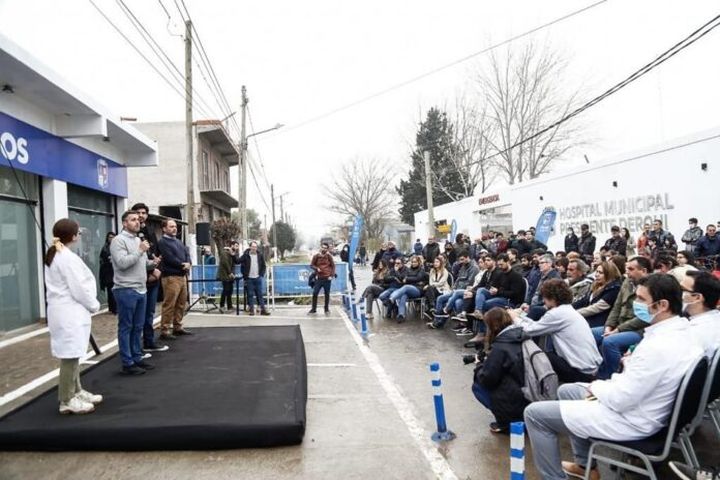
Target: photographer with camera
500, 375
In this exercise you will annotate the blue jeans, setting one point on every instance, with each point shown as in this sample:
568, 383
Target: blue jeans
453, 301
385, 295
535, 312
482, 395
321, 284
254, 291
402, 295
612, 349
131, 317
148, 336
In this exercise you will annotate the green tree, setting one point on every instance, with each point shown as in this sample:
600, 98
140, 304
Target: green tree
285, 237
436, 135
223, 231
255, 225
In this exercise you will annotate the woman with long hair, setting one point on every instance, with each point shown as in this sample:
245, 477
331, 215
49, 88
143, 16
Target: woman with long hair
107, 273
498, 380
437, 285
374, 290
71, 298
685, 263
414, 281
595, 306
631, 243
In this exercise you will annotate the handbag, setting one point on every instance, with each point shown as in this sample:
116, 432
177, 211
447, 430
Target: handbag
312, 278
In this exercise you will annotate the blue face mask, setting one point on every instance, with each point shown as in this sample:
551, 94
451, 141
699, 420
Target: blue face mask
642, 311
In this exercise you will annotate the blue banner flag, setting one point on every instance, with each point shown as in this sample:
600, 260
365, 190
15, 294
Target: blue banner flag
355, 239
545, 225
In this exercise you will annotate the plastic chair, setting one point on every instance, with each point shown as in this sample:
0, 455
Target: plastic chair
711, 392
657, 447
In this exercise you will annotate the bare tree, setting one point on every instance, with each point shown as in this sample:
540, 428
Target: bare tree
525, 92
471, 130
362, 187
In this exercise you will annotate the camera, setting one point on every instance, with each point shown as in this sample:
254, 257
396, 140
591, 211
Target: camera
479, 357
468, 359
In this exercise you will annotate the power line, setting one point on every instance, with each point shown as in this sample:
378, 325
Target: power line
139, 52
659, 60
257, 185
164, 58
439, 69
257, 148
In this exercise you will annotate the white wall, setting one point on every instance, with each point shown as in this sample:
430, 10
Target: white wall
464, 212
663, 182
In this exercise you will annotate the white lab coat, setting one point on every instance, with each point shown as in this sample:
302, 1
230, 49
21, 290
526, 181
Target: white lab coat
71, 298
637, 403
705, 329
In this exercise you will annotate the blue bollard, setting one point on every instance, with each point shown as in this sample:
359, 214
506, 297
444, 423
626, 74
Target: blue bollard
517, 451
442, 434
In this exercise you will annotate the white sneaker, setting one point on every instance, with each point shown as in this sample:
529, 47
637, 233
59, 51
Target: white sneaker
77, 406
146, 356
88, 397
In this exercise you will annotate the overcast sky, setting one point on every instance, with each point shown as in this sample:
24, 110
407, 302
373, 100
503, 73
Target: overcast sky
300, 60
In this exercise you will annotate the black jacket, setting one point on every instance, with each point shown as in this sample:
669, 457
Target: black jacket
430, 252
609, 293
376, 259
416, 276
586, 246
511, 285
489, 279
394, 278
503, 375
245, 264
571, 243
618, 244
106, 268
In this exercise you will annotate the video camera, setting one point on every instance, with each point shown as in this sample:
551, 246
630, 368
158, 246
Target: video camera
478, 357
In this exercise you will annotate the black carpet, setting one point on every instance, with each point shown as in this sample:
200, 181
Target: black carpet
221, 388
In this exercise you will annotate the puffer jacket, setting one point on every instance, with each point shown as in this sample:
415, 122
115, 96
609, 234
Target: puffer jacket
596, 308
503, 375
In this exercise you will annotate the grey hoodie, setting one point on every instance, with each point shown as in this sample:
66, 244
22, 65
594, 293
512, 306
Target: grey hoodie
130, 264
466, 275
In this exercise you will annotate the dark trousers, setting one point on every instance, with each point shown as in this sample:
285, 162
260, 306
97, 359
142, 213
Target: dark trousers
321, 284
431, 294
226, 296
112, 304
565, 372
352, 280
150, 302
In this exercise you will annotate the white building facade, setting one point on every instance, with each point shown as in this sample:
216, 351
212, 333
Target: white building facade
63, 156
672, 182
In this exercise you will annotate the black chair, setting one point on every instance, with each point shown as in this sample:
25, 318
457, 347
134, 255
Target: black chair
657, 447
708, 403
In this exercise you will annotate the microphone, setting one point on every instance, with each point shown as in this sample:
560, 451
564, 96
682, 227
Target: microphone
141, 236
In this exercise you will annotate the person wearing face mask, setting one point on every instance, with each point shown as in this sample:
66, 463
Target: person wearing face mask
622, 328
631, 405
413, 283
701, 293
692, 235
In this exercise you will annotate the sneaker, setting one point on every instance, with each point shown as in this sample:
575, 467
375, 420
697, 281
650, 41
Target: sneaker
156, 348
88, 397
461, 317
460, 327
400, 318
578, 471
327, 312
132, 370
686, 472
252, 313
144, 365
369, 316
146, 355
495, 427
312, 312
76, 406
182, 331
432, 325
264, 312
167, 336
465, 332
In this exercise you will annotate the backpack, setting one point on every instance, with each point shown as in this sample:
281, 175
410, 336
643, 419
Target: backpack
541, 381
312, 278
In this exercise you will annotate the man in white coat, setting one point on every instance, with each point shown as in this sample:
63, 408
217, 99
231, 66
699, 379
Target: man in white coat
631, 405
701, 293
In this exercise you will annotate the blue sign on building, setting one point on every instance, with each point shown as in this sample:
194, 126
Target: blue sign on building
36, 151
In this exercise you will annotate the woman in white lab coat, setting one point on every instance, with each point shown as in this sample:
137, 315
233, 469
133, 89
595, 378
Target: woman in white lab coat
71, 298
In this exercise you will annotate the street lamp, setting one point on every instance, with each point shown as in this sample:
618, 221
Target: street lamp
242, 170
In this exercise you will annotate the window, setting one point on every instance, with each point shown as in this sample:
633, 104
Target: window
216, 177
205, 170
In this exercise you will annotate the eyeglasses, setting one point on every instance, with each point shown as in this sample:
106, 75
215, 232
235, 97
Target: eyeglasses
691, 292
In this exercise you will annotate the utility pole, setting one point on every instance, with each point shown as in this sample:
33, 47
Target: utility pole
188, 129
242, 169
282, 215
428, 188
274, 225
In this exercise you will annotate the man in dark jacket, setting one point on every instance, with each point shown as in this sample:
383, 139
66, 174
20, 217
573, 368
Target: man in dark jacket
692, 235
174, 267
252, 266
507, 289
345, 257
616, 242
378, 257
418, 247
533, 242
226, 276
391, 253
663, 239
586, 244
498, 381
430, 252
709, 244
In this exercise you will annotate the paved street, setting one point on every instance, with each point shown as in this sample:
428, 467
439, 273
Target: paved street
370, 411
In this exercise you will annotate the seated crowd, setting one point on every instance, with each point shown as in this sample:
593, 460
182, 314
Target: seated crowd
605, 320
